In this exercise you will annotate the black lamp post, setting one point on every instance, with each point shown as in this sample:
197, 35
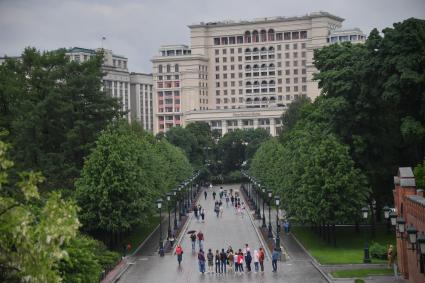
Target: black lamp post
179, 189
366, 258
387, 211
257, 192
175, 209
277, 202
169, 196
270, 234
264, 215
161, 246
421, 251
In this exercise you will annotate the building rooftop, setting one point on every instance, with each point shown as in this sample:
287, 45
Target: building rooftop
92, 51
346, 31
418, 199
267, 20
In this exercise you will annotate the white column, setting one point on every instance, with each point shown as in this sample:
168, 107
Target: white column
223, 127
272, 127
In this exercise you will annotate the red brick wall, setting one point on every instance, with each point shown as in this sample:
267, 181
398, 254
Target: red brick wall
414, 214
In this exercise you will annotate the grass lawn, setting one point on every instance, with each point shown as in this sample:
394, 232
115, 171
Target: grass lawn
354, 273
349, 244
138, 235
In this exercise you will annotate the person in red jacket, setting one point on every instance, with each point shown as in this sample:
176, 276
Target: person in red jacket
261, 259
179, 253
201, 240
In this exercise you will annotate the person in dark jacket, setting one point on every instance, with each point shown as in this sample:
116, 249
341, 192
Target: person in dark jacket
217, 262
201, 261
223, 261
248, 260
210, 258
275, 258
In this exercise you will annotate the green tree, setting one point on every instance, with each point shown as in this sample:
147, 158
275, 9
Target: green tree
33, 231
419, 173
54, 110
123, 176
86, 260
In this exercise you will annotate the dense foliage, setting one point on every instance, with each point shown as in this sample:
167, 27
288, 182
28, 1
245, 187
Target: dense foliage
374, 96
32, 230
124, 175
54, 110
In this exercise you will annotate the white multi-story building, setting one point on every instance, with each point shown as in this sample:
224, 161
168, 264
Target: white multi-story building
141, 101
240, 74
133, 90
116, 81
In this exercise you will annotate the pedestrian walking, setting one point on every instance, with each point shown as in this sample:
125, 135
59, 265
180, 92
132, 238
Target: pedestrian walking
248, 260
195, 211
179, 253
210, 258
240, 261
223, 261
214, 194
232, 199
221, 211
203, 216
227, 201
217, 209
193, 241
172, 238
201, 261
256, 261
205, 194
275, 258
231, 259
217, 262
201, 240
211, 186
261, 259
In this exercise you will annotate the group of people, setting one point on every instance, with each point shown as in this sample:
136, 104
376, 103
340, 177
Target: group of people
224, 261
199, 212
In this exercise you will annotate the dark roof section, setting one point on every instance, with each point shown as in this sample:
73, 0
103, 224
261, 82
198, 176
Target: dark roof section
418, 199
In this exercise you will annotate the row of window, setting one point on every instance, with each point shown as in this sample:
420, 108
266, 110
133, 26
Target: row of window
168, 84
168, 93
168, 77
168, 68
119, 63
260, 36
255, 49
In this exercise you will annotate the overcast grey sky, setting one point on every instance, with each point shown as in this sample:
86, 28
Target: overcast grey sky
136, 29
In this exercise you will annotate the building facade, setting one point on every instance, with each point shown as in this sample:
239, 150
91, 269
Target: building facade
410, 207
141, 99
133, 90
234, 71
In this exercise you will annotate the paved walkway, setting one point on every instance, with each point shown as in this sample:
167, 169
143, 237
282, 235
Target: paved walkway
231, 230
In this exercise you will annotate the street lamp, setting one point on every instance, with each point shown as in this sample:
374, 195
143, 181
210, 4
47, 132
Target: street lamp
400, 225
270, 193
161, 246
169, 196
174, 191
366, 258
412, 234
179, 189
393, 218
264, 215
387, 211
277, 202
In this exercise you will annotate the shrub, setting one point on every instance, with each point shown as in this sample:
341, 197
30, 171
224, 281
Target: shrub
359, 281
378, 251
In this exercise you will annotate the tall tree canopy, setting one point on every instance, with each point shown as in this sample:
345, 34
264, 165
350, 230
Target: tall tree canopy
54, 110
124, 175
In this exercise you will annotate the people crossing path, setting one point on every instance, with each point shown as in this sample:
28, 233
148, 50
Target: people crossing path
230, 229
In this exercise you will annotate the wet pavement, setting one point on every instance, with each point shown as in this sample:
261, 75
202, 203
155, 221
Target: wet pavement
231, 229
